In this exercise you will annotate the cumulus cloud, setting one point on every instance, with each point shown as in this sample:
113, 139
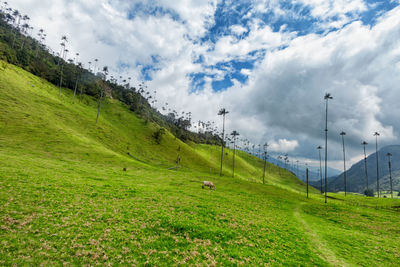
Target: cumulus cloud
238, 29
283, 145
335, 14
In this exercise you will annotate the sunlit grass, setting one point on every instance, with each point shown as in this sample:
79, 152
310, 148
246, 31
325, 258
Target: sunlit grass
65, 199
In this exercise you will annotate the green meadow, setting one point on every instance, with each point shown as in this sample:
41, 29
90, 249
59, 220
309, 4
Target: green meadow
66, 200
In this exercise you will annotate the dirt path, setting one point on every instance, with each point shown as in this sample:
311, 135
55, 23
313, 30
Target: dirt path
318, 243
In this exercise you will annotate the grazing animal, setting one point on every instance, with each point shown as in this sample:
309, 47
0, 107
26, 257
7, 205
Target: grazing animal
209, 184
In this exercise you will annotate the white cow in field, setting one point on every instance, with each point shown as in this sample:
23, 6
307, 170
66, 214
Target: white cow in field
209, 184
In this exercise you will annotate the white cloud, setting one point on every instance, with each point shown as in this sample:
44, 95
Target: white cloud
335, 13
246, 72
260, 37
238, 29
283, 145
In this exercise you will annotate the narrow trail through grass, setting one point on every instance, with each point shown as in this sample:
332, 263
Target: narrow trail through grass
319, 245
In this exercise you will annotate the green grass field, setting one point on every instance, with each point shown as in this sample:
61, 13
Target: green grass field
64, 198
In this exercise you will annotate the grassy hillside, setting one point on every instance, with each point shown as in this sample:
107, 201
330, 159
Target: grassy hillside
66, 200
31, 109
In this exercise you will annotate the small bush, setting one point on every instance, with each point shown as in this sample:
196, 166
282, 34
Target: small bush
369, 192
157, 135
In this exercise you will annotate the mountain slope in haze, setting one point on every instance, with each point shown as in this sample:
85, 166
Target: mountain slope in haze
356, 181
313, 172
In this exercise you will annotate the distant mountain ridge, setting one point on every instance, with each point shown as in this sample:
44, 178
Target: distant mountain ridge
356, 181
313, 172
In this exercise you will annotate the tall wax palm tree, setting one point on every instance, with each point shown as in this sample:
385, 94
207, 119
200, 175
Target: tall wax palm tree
76, 58
234, 134
390, 173
61, 72
320, 166
364, 143
4, 7
265, 160
9, 17
64, 40
344, 164
17, 19
95, 65
63, 54
105, 73
286, 160
326, 97
78, 70
222, 112
30, 33
41, 35
279, 159
26, 18
25, 28
376, 134
307, 178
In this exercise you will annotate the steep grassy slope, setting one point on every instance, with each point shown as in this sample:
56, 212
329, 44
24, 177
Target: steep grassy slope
57, 128
65, 199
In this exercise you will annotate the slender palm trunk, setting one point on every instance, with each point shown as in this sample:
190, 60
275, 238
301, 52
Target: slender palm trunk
320, 168
15, 34
366, 170
15, 37
326, 151
307, 180
265, 163
61, 78
99, 107
76, 86
80, 94
222, 145
233, 164
23, 42
390, 176
344, 167
377, 167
